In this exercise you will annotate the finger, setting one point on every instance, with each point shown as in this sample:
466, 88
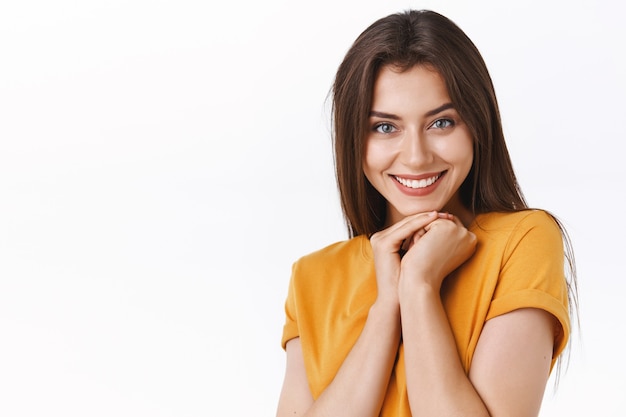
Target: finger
399, 237
443, 221
417, 236
440, 215
445, 215
449, 216
414, 231
408, 243
411, 224
406, 227
430, 225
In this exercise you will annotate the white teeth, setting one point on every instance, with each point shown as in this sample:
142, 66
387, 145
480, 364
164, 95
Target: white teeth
417, 183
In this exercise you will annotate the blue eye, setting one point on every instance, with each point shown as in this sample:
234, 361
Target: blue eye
384, 128
442, 123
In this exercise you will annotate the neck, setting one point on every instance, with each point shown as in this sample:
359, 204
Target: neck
457, 208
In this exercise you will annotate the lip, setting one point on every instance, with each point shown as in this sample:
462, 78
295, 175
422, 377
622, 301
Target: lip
418, 192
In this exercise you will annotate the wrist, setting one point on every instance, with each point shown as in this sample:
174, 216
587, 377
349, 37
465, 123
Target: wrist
386, 305
413, 289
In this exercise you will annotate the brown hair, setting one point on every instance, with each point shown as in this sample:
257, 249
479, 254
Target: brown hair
405, 40
430, 39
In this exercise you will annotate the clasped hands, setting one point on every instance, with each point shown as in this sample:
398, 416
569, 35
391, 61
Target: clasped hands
421, 249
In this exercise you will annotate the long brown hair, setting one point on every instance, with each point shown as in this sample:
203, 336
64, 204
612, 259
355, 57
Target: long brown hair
405, 40
430, 39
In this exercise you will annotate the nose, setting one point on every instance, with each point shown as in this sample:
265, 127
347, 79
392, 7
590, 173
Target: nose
415, 150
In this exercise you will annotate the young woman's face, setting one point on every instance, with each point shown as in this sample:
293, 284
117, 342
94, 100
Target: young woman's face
418, 150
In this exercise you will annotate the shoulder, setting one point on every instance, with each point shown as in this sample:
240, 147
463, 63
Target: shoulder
513, 225
535, 229
515, 220
357, 247
346, 259
334, 268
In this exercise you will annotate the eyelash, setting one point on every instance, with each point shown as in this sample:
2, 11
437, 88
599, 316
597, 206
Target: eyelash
444, 119
450, 123
377, 127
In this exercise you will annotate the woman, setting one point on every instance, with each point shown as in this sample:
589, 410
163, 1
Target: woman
450, 296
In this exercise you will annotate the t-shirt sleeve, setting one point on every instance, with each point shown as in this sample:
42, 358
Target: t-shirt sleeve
290, 329
533, 275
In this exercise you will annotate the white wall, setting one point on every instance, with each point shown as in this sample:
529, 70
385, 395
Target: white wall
162, 164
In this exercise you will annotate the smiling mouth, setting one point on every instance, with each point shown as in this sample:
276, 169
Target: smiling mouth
417, 184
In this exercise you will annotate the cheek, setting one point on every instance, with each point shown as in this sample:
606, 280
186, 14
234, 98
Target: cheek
469, 153
463, 153
465, 156
371, 159
457, 153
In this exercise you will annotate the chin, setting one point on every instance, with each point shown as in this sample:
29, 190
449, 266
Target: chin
424, 209
417, 210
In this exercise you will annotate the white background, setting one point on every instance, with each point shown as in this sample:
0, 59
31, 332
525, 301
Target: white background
163, 163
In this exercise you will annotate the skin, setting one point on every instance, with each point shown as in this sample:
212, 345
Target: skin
410, 137
511, 364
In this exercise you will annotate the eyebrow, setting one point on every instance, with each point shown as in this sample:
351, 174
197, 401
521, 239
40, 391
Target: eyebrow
429, 113
440, 109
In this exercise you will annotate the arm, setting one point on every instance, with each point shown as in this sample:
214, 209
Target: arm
436, 382
512, 360
361, 383
295, 397
511, 364
359, 387
508, 373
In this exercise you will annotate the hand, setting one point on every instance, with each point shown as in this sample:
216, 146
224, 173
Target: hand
437, 250
387, 246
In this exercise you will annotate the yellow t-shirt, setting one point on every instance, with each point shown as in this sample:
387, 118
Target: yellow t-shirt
518, 263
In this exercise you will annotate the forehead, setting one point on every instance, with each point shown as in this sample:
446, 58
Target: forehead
417, 86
